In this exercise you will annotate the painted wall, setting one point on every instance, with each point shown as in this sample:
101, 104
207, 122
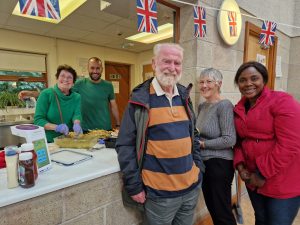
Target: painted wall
66, 52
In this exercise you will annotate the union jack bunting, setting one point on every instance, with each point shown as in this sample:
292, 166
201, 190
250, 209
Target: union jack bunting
147, 16
267, 34
41, 8
232, 24
199, 21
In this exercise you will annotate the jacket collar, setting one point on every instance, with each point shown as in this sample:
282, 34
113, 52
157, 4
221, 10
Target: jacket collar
241, 104
140, 94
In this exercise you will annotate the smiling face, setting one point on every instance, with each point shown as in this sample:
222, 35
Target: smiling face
65, 81
168, 66
209, 88
95, 70
251, 84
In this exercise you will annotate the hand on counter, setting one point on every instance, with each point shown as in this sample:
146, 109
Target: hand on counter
62, 128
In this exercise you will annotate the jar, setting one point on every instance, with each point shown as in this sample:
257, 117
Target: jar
29, 147
26, 170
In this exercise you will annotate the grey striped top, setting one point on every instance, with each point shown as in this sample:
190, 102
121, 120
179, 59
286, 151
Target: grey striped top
216, 126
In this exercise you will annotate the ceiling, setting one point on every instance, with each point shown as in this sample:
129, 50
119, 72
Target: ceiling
88, 24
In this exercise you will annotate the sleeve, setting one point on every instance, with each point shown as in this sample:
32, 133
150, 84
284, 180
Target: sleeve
196, 145
226, 124
42, 108
238, 153
286, 113
77, 111
126, 149
111, 95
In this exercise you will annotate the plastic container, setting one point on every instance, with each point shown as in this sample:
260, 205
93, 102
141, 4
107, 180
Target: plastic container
67, 142
26, 170
11, 158
29, 147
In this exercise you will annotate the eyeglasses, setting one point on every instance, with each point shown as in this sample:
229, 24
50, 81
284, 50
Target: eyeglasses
207, 82
66, 77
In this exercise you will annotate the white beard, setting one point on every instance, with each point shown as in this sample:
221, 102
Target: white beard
167, 80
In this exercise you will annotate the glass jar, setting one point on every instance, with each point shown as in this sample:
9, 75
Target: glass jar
29, 147
26, 170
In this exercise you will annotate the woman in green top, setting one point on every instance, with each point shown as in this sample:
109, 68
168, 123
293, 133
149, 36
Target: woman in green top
58, 108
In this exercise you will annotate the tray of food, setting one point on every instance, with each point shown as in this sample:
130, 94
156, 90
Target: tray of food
75, 142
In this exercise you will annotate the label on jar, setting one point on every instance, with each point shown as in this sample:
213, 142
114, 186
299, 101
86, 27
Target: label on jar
22, 178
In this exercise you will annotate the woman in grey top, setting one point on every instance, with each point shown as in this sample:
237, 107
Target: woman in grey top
217, 136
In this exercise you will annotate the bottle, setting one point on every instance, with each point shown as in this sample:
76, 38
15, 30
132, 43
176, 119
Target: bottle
29, 147
26, 170
11, 159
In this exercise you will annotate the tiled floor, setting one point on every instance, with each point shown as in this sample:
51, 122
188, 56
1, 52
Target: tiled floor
248, 213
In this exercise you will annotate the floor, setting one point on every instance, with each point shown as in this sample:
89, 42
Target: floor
248, 213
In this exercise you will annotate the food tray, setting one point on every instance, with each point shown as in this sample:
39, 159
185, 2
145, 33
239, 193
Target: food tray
68, 142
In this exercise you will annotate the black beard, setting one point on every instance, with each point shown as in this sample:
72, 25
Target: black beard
95, 79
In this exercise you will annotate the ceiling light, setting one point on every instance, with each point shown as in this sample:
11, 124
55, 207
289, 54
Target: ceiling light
164, 31
66, 8
104, 4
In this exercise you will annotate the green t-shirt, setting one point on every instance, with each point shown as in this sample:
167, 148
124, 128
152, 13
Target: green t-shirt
47, 111
95, 100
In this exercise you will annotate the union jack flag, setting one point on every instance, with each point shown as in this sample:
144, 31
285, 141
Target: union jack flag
41, 8
232, 24
267, 34
199, 21
147, 16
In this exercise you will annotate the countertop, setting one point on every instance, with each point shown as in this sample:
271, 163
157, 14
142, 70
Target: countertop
104, 162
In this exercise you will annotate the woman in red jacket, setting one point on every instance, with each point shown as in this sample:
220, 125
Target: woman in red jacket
267, 154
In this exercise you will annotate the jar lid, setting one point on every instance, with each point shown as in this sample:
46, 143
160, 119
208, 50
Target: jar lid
25, 156
27, 147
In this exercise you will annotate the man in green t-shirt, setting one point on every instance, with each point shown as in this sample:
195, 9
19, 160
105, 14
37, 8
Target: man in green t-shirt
97, 96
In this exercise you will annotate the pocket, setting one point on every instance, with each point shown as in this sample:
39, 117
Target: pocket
129, 202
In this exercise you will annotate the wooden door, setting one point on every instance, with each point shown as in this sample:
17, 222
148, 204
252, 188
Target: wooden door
147, 71
119, 75
253, 51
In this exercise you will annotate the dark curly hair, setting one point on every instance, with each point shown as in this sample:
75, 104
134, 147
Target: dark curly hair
66, 68
258, 66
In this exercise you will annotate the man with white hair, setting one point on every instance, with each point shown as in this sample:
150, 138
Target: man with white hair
158, 145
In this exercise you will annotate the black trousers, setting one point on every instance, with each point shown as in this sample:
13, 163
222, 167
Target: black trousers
216, 188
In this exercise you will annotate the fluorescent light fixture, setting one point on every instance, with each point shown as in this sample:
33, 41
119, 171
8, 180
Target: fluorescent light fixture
66, 8
164, 31
104, 4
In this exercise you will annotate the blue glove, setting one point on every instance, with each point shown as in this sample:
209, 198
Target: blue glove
62, 128
77, 128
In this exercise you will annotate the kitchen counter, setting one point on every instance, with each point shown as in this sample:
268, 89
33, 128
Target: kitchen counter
104, 162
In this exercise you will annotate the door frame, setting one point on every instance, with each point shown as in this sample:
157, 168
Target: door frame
254, 30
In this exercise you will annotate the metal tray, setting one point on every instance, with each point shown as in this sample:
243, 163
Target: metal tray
68, 157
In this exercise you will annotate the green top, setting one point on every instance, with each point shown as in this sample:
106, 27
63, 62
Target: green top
95, 99
47, 111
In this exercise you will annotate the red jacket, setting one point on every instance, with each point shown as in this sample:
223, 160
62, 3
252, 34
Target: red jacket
270, 142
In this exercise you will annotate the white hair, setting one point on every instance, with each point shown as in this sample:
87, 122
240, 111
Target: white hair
211, 73
157, 48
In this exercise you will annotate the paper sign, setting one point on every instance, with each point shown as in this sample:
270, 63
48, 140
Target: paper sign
116, 85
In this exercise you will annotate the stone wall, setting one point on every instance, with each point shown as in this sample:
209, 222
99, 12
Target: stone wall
96, 202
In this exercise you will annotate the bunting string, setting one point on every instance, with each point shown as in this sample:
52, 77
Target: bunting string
243, 14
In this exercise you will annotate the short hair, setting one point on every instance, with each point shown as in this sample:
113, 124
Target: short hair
258, 66
157, 48
94, 58
66, 68
211, 73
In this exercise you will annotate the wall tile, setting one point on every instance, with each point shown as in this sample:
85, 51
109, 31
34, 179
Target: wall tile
90, 195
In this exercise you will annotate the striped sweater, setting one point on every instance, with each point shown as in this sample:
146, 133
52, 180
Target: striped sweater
168, 169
